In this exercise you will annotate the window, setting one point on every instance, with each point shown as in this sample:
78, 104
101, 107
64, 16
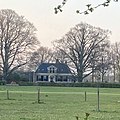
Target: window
52, 69
45, 78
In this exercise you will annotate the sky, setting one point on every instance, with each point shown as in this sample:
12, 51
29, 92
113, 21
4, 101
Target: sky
52, 26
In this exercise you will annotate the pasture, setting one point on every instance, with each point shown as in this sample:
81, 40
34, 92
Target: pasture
58, 103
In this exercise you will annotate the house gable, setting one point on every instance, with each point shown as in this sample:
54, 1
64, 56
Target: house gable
52, 69
58, 67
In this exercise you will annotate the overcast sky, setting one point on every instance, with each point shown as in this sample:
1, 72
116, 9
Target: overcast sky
51, 26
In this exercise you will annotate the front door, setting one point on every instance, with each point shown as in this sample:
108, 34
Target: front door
52, 78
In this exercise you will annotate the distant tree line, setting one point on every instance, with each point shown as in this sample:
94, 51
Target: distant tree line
86, 49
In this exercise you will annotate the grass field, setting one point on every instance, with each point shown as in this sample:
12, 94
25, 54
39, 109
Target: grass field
58, 103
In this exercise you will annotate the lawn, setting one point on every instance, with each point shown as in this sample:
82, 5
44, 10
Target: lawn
58, 103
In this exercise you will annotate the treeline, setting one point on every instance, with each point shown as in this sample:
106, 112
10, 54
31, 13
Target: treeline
85, 48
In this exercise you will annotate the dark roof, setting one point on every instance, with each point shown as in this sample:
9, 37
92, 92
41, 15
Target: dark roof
61, 67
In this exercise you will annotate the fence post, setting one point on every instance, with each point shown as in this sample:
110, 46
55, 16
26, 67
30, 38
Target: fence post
98, 99
8, 95
38, 95
85, 96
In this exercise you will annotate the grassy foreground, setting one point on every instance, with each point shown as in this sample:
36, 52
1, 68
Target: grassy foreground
58, 103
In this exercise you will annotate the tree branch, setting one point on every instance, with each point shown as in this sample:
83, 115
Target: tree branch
89, 9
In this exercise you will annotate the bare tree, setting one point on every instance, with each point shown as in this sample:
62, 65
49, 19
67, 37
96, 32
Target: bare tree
60, 55
113, 61
0, 67
90, 7
79, 45
17, 40
41, 55
103, 60
116, 59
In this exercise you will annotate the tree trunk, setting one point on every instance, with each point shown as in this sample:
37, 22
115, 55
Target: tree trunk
80, 75
5, 73
114, 77
102, 77
119, 76
93, 75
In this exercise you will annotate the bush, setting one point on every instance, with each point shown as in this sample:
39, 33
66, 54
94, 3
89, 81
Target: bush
2, 82
23, 83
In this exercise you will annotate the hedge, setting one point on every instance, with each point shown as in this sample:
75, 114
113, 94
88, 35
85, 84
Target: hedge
81, 84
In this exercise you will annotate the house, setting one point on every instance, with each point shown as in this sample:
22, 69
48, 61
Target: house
53, 72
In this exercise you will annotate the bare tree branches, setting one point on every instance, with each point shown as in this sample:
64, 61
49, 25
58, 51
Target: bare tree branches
80, 45
17, 40
41, 55
116, 59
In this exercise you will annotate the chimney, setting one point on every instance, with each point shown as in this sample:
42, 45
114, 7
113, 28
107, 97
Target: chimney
57, 61
65, 61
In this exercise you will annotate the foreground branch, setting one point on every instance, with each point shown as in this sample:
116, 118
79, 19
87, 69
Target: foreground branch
89, 9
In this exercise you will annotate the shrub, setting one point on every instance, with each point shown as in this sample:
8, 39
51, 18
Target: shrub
2, 82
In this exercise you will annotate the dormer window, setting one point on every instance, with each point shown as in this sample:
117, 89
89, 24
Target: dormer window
52, 69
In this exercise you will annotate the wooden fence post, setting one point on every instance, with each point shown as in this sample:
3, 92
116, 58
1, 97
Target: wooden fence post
39, 95
98, 99
8, 95
85, 96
